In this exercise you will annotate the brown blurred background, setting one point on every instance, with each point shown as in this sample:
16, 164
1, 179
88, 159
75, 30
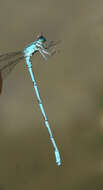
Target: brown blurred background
71, 86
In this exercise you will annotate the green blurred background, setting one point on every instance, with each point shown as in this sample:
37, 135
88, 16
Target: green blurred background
71, 86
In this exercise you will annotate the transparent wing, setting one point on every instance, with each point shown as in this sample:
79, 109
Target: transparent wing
9, 55
8, 62
51, 44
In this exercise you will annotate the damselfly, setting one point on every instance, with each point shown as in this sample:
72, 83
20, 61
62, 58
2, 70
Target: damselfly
9, 60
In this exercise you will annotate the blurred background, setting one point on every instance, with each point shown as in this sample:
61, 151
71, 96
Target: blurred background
71, 87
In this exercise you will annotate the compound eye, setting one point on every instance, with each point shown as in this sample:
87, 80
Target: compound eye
41, 38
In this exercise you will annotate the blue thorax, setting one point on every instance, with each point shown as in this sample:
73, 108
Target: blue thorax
34, 46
